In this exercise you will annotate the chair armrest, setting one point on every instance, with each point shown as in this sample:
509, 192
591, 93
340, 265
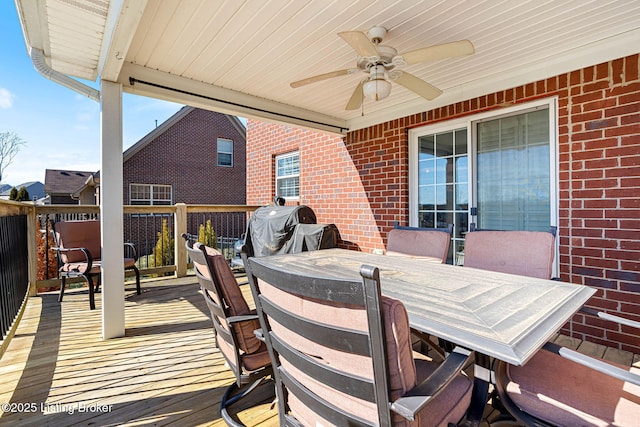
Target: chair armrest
85, 251
244, 318
132, 248
259, 335
592, 363
611, 317
416, 399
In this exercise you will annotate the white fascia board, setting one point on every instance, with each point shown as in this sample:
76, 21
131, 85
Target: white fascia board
185, 91
604, 50
122, 23
33, 20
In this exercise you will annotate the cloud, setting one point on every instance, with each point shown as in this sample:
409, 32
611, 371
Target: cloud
6, 98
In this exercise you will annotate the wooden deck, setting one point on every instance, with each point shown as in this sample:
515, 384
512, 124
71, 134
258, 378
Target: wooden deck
166, 371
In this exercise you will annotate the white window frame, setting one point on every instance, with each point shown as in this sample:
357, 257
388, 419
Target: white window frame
151, 199
469, 122
218, 152
282, 156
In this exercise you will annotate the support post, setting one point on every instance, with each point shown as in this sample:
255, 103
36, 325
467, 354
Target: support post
111, 210
180, 225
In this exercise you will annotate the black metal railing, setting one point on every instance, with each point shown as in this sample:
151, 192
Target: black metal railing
228, 228
152, 231
14, 269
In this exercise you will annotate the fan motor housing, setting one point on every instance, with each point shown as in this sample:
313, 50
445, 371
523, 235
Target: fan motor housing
386, 55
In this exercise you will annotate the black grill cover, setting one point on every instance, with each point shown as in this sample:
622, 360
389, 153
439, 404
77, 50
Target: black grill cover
287, 229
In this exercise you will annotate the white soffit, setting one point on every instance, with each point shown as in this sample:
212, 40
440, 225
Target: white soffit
245, 54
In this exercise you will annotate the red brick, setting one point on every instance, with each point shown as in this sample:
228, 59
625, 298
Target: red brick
598, 161
631, 68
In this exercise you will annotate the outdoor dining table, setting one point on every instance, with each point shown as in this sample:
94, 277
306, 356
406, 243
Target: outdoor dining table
505, 316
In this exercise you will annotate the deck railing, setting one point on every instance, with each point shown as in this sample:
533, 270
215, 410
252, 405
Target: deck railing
15, 244
28, 263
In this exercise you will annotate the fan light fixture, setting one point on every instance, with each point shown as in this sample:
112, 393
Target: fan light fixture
381, 62
377, 87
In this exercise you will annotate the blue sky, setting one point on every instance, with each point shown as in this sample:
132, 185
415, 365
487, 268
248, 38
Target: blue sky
61, 127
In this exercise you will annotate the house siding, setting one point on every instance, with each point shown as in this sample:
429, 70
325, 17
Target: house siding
360, 182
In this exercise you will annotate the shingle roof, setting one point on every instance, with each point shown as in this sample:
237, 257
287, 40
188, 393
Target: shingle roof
58, 181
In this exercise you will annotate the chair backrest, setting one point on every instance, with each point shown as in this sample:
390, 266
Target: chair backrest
224, 299
78, 234
527, 253
423, 242
340, 351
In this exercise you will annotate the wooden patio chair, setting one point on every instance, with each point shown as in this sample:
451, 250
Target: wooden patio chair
342, 355
234, 325
420, 242
79, 252
557, 386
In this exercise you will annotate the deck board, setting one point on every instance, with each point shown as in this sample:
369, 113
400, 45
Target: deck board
165, 371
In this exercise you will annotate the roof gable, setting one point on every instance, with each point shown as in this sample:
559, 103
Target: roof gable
58, 181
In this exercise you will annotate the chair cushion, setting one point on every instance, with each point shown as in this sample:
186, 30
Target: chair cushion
562, 392
78, 234
447, 407
400, 358
79, 267
237, 305
422, 243
527, 253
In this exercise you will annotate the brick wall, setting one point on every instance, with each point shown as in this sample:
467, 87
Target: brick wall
360, 183
185, 156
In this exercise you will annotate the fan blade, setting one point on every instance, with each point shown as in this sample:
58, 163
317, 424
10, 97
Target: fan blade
321, 77
356, 98
441, 51
419, 86
359, 42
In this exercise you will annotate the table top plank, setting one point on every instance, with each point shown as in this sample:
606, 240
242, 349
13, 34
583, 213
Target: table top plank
502, 315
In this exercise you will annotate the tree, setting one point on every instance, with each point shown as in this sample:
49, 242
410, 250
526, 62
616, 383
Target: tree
163, 251
207, 235
10, 144
23, 195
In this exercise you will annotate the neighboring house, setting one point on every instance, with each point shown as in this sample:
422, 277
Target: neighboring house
34, 188
61, 186
194, 157
563, 151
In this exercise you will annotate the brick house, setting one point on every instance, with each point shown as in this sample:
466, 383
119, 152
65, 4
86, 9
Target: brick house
195, 157
567, 149
208, 145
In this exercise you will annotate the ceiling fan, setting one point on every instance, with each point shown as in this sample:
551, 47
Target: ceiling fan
380, 62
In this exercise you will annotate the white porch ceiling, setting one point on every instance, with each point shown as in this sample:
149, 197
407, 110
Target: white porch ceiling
239, 57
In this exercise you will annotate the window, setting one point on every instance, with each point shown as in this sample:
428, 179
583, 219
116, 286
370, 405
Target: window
150, 194
225, 152
288, 175
496, 169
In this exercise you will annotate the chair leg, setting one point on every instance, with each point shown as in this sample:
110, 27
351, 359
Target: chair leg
264, 390
92, 300
61, 294
138, 290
